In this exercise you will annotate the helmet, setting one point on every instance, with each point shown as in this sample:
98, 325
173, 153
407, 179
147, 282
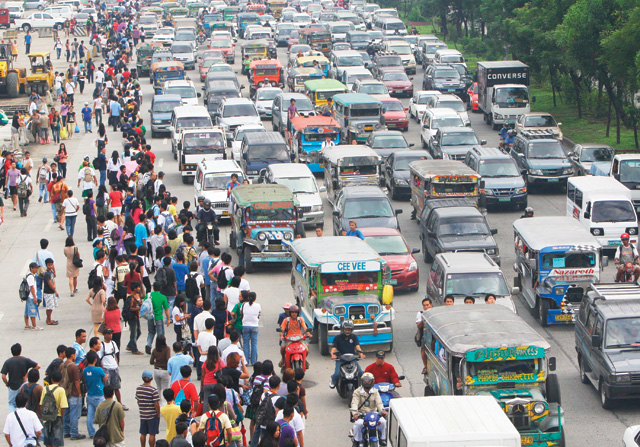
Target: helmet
347, 325
528, 211
200, 198
511, 132
624, 236
367, 380
294, 308
206, 203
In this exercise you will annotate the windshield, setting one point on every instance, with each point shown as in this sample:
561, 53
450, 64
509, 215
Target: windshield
165, 106
395, 26
268, 95
147, 20
184, 92
454, 121
451, 59
507, 370
181, 49
184, 36
327, 94
270, 152
341, 29
622, 332
367, 208
240, 135
458, 106
402, 164
596, 154
476, 284
512, 96
271, 214
301, 18
568, 260
219, 43
540, 121
390, 142
375, 34
392, 106
360, 113
498, 168
350, 61
401, 49
202, 142
218, 181
423, 99
361, 169
211, 61
373, 89
285, 32
238, 110
613, 211
200, 121
459, 139
630, 171
446, 73
389, 61
395, 77
303, 104
353, 78
167, 75
457, 227
299, 185
387, 245
546, 150
359, 38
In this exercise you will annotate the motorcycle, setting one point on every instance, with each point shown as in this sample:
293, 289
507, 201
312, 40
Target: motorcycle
627, 272
369, 430
296, 353
349, 378
211, 233
386, 391
272, 50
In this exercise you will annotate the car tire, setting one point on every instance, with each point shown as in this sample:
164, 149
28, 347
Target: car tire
323, 339
553, 389
426, 256
428, 391
153, 134
424, 145
606, 402
392, 192
542, 307
26, 27
13, 85
583, 372
246, 255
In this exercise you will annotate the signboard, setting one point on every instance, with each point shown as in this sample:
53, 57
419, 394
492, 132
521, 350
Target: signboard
493, 376
455, 179
502, 354
341, 287
349, 267
271, 205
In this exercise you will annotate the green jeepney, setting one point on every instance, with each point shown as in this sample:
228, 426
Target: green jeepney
209, 19
319, 90
251, 51
178, 13
144, 55
195, 7
490, 351
230, 13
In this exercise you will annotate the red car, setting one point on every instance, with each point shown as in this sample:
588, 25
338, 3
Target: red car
226, 46
206, 63
390, 244
473, 96
398, 83
395, 114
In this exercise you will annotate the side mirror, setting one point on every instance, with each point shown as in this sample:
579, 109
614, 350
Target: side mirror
336, 213
587, 215
398, 211
322, 189
552, 363
483, 142
515, 290
172, 129
406, 109
494, 231
415, 251
202, 88
242, 87
278, 329
245, 156
411, 144
411, 78
596, 341
199, 95
401, 377
559, 124
149, 110
605, 261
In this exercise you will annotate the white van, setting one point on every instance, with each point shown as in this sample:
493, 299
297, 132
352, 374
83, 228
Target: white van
60, 11
603, 205
198, 145
449, 421
211, 181
187, 117
449, 56
351, 74
75, 4
186, 89
392, 26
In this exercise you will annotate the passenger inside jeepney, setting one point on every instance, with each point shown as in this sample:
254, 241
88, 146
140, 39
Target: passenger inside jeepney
271, 214
332, 279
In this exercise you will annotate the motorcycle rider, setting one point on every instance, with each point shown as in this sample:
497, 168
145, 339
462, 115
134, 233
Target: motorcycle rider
504, 130
366, 399
292, 325
345, 343
528, 212
384, 372
626, 252
265, 83
508, 141
205, 216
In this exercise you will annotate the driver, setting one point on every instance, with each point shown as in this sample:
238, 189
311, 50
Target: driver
384, 372
265, 83
345, 343
205, 216
291, 326
511, 137
626, 252
505, 129
366, 399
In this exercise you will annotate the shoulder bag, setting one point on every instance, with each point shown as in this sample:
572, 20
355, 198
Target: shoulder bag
77, 261
103, 432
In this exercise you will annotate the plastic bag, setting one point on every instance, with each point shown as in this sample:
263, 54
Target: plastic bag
77, 129
63, 133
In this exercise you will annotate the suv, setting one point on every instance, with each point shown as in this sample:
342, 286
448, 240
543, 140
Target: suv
453, 143
403, 49
503, 183
185, 52
542, 156
367, 205
444, 78
468, 274
450, 102
234, 112
433, 119
383, 62
370, 87
260, 149
606, 338
456, 224
161, 108
211, 181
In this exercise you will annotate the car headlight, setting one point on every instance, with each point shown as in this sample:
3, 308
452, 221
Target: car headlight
403, 182
597, 231
488, 192
156, 121
262, 236
373, 309
621, 377
521, 190
567, 171
413, 266
359, 126
497, 116
438, 85
632, 230
539, 408
339, 310
558, 290
316, 208
288, 236
535, 171
491, 251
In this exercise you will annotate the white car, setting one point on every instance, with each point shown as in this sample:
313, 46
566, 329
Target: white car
448, 101
211, 183
418, 104
631, 436
238, 136
164, 35
149, 23
263, 100
39, 20
184, 88
235, 112
433, 119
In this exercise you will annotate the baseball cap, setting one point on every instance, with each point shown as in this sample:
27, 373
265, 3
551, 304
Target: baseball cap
108, 331
86, 158
286, 306
44, 160
380, 354
146, 374
86, 103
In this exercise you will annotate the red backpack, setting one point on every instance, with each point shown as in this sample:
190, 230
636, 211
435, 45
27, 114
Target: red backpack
213, 430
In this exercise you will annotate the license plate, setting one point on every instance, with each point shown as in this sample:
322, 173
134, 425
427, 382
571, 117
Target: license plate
321, 166
613, 243
565, 317
393, 282
225, 213
526, 440
552, 180
367, 128
451, 89
504, 199
360, 321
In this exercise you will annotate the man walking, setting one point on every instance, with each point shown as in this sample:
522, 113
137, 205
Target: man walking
22, 427
160, 306
149, 404
86, 117
94, 378
71, 382
49, 291
31, 303
44, 174
53, 425
13, 372
111, 413
27, 42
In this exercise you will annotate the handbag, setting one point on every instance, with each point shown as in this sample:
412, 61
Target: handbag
63, 134
102, 328
29, 440
418, 338
77, 261
103, 432
186, 331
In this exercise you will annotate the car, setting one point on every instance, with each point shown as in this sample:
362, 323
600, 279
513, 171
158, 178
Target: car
39, 20
295, 49
631, 437
444, 78
395, 171
185, 52
398, 83
453, 143
370, 87
393, 248
386, 142
238, 136
164, 35
394, 113
205, 65
211, 181
418, 104
235, 112
542, 157
582, 156
402, 48
183, 88
433, 119
282, 36
428, 50
384, 62
367, 205
539, 121
227, 48
450, 102
160, 111
472, 91
263, 100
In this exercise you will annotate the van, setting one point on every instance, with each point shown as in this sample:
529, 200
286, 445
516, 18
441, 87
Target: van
187, 117
211, 181
603, 206
359, 40
340, 60
449, 56
60, 11
16, 9
392, 26
75, 4
161, 109
260, 149
219, 91
350, 75
186, 89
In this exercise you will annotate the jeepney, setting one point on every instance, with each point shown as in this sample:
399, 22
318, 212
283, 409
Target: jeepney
439, 179
194, 8
144, 55
318, 38
178, 13
230, 13
246, 18
255, 49
341, 277
261, 70
557, 260
258, 8
166, 6
265, 222
490, 351
308, 61
165, 71
296, 77
319, 90
306, 138
197, 145
275, 7
349, 164
209, 19
358, 114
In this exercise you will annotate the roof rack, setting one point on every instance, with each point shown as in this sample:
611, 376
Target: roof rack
535, 134
615, 291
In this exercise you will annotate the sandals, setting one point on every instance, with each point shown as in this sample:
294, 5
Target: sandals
52, 323
424, 370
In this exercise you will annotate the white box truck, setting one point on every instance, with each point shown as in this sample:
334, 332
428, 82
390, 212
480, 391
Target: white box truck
503, 91
450, 421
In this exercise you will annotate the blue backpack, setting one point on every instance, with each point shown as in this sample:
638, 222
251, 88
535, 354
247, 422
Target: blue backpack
146, 310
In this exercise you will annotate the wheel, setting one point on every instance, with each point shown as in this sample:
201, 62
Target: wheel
543, 311
248, 265
522, 206
553, 389
273, 123
185, 179
323, 339
583, 372
297, 364
175, 155
424, 145
605, 401
426, 257
349, 392
153, 134
314, 336
562, 438
392, 190
373, 444
26, 27
428, 392
13, 85
232, 240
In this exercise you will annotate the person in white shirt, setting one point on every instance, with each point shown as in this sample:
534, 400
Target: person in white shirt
244, 284
250, 318
234, 338
70, 207
231, 294
109, 354
199, 320
206, 339
158, 182
27, 434
297, 423
87, 177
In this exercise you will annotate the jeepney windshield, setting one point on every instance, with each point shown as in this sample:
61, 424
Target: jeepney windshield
201, 142
337, 279
370, 111
367, 208
453, 189
168, 75
271, 214
504, 371
476, 284
568, 259
266, 71
218, 181
327, 94
621, 332
359, 169
309, 137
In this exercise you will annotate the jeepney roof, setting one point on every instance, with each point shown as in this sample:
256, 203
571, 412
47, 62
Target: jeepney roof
565, 231
248, 15
255, 43
355, 98
166, 64
317, 250
427, 168
256, 63
303, 59
302, 122
306, 71
245, 195
315, 85
333, 154
467, 328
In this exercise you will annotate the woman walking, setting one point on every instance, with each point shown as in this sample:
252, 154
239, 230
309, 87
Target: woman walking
113, 167
222, 317
112, 320
179, 317
159, 359
70, 252
209, 369
102, 133
71, 122
102, 200
97, 299
250, 317
55, 126
62, 160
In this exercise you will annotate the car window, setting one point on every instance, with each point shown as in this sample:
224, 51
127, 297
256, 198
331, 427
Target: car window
591, 321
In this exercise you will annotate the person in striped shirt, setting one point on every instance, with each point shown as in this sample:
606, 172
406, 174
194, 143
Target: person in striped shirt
149, 404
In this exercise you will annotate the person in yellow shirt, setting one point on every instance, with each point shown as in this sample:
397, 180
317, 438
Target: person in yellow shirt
53, 430
173, 210
170, 413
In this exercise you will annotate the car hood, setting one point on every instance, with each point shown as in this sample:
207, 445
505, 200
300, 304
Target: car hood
395, 115
309, 199
458, 150
239, 120
404, 175
553, 130
397, 84
267, 104
503, 182
215, 195
385, 222
624, 361
467, 242
549, 163
397, 262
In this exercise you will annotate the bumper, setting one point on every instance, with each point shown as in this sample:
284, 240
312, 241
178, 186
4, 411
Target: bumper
313, 218
410, 69
383, 336
547, 179
405, 280
265, 113
160, 127
519, 199
560, 316
402, 190
402, 125
401, 92
612, 243
271, 256
627, 391
540, 439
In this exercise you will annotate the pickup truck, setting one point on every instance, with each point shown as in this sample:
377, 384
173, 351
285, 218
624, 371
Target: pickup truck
626, 169
39, 20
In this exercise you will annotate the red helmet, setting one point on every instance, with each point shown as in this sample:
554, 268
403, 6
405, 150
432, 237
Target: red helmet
624, 236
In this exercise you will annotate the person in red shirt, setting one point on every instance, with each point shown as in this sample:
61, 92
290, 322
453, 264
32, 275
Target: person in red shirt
383, 371
188, 388
152, 156
125, 74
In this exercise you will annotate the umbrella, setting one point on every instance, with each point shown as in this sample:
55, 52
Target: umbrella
132, 166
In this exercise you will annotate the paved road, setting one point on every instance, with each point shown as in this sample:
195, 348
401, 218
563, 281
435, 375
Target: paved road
587, 424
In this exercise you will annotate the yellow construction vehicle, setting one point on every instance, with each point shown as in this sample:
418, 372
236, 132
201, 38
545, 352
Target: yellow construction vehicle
14, 81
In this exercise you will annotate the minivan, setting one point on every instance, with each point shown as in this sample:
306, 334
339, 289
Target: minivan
219, 91
190, 117
449, 56
260, 149
392, 26
161, 109
184, 88
185, 52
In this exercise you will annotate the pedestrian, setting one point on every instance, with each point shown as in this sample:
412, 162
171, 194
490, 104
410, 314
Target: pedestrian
71, 207
177, 361
53, 431
58, 48
159, 358
62, 160
148, 400
14, 371
69, 89
71, 377
71, 122
210, 367
90, 215
71, 252
112, 315
24, 187
44, 175
22, 427
97, 299
87, 113
109, 359
170, 412
82, 78
169, 288
250, 311
94, 379
27, 43
160, 307
110, 413
221, 316
31, 302
184, 388
49, 291
55, 124
11, 183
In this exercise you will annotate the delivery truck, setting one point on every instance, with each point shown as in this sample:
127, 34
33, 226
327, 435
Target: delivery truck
503, 91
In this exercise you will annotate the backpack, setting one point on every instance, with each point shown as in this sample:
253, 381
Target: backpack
180, 249
169, 223
23, 187
180, 396
213, 430
49, 406
43, 174
86, 208
24, 289
256, 394
266, 411
127, 315
222, 278
161, 277
100, 200
93, 274
191, 288
88, 176
146, 310
97, 164
32, 403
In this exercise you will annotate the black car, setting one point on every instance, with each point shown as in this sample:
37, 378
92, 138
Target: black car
367, 205
541, 157
385, 142
395, 171
444, 78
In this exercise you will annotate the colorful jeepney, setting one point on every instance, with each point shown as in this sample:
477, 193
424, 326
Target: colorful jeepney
255, 50
165, 71
178, 13
195, 7
319, 90
262, 70
358, 114
275, 7
296, 77
348, 165
306, 138
308, 61
209, 19
144, 54
258, 8
230, 13
265, 222
490, 351
246, 18
339, 278
318, 38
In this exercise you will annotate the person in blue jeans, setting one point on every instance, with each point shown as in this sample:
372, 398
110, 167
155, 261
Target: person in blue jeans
94, 378
250, 317
40, 258
345, 343
156, 324
74, 394
13, 371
